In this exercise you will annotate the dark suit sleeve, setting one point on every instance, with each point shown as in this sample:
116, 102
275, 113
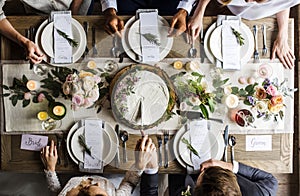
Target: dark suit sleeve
253, 181
149, 184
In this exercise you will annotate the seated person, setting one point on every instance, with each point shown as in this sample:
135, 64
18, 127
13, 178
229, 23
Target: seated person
32, 52
78, 7
222, 178
253, 10
145, 167
114, 24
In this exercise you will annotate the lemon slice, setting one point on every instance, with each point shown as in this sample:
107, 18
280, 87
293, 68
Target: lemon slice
59, 110
42, 115
177, 65
92, 64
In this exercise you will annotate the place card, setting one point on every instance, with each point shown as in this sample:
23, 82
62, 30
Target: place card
33, 142
93, 138
199, 138
148, 29
258, 142
230, 46
62, 48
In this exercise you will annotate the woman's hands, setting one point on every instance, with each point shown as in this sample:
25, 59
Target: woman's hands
32, 52
49, 156
145, 155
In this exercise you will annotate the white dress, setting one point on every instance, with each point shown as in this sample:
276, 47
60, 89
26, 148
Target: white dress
2, 15
254, 10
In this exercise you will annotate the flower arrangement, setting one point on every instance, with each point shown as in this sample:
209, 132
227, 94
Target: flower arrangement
86, 88
267, 98
82, 88
192, 91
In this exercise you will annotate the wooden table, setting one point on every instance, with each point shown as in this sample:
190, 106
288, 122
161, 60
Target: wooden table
279, 160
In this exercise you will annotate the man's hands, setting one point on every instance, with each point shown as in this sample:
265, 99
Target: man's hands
33, 53
212, 163
114, 24
178, 24
283, 51
145, 155
49, 156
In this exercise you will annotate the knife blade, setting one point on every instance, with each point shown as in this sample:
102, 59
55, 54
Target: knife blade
86, 27
95, 52
196, 115
226, 143
117, 156
202, 51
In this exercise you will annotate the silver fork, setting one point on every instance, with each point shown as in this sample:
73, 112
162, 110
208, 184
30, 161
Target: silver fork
256, 53
159, 142
264, 33
166, 139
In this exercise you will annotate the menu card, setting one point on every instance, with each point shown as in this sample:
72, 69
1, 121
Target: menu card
62, 48
199, 139
93, 138
148, 30
230, 46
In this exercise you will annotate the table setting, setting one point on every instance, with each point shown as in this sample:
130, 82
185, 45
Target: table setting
152, 94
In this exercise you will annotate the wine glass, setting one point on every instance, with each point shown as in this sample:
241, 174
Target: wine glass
244, 118
40, 69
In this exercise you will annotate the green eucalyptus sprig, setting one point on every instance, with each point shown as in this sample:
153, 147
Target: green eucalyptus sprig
71, 41
82, 142
153, 39
238, 36
190, 147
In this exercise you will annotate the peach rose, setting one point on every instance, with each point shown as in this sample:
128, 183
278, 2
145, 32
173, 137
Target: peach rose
261, 93
83, 74
275, 108
277, 100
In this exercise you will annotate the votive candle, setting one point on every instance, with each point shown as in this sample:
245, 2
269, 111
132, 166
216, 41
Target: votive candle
33, 85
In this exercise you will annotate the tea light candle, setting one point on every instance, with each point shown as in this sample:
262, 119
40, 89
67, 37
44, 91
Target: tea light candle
33, 85
232, 101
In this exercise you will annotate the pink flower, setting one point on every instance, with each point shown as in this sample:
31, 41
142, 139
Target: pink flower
41, 97
272, 90
78, 99
93, 95
27, 95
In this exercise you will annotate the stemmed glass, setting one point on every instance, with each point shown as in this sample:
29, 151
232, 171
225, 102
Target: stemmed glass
244, 118
111, 66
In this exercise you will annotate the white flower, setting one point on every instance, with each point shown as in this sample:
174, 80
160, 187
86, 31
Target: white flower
261, 106
93, 94
227, 90
88, 83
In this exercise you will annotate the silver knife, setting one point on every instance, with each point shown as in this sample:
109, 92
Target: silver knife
86, 27
95, 52
202, 51
117, 156
226, 143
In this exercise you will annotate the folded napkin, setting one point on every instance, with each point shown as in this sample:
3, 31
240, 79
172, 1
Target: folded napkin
62, 48
199, 140
93, 137
229, 46
150, 39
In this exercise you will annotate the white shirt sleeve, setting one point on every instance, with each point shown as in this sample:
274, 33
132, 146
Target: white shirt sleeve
151, 170
235, 168
53, 182
2, 15
108, 4
186, 5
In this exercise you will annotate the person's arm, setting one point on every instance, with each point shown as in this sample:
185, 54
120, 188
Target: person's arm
33, 53
195, 22
281, 47
114, 24
145, 156
256, 179
49, 158
75, 6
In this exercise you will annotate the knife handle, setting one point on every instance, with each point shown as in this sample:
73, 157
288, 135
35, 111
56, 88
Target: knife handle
159, 157
124, 153
166, 156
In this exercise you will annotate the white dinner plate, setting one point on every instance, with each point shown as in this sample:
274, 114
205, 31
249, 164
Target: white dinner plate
110, 143
134, 52
78, 150
212, 145
176, 140
44, 40
134, 38
213, 43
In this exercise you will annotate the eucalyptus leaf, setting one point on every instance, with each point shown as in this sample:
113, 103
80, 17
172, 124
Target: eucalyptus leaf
25, 103
14, 100
24, 79
211, 105
204, 111
6, 94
